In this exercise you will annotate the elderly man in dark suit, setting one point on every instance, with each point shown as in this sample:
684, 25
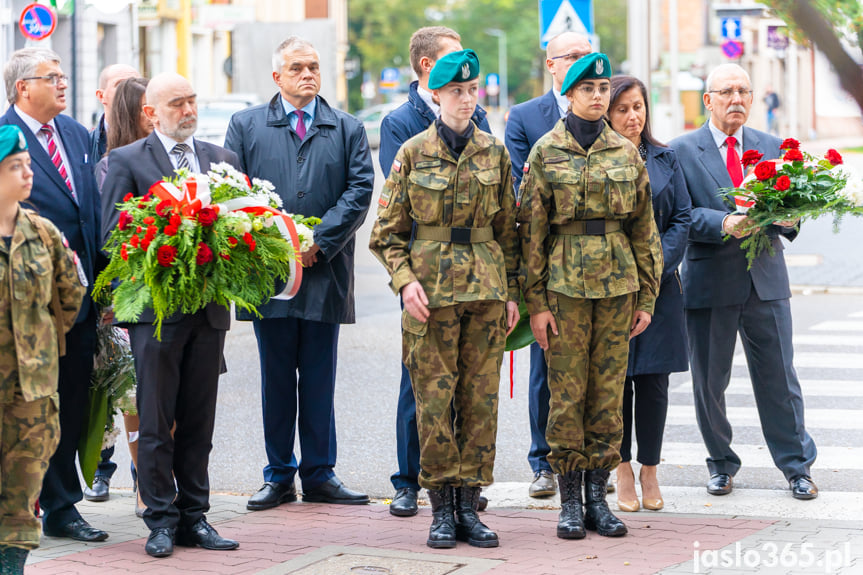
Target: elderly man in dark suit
319, 161
64, 191
178, 376
723, 298
527, 123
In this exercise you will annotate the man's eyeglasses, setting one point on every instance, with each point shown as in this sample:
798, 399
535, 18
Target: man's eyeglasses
588, 90
571, 56
53, 79
728, 92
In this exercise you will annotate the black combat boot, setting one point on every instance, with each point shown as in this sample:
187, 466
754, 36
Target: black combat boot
468, 527
598, 517
442, 530
12, 560
570, 525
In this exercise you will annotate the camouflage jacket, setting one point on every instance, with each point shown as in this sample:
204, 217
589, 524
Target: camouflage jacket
28, 338
427, 185
561, 184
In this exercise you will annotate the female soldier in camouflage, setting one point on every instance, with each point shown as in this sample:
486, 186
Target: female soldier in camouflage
37, 278
459, 283
591, 263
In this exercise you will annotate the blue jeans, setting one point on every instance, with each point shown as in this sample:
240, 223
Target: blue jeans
537, 406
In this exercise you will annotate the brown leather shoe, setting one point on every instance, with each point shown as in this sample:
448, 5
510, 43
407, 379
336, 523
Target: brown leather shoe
542, 485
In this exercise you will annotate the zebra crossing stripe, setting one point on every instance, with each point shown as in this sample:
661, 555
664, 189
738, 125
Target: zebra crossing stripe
829, 456
811, 387
819, 359
748, 416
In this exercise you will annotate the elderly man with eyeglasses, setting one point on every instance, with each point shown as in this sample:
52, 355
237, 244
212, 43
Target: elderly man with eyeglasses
527, 123
64, 191
723, 297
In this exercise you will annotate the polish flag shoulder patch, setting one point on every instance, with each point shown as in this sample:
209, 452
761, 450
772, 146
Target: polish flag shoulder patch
397, 166
526, 168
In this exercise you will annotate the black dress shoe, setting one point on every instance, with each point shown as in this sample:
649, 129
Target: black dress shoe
334, 491
803, 488
160, 543
99, 491
202, 534
720, 484
79, 530
271, 495
404, 504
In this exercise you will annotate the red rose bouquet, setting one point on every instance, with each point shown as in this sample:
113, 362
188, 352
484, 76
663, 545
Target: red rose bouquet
794, 188
197, 239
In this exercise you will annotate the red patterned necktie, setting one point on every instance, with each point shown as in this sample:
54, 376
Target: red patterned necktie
301, 124
54, 152
732, 162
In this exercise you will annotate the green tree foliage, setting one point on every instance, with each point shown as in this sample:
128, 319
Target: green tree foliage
610, 20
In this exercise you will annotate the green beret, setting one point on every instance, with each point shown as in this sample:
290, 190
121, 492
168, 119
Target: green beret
594, 65
458, 66
12, 141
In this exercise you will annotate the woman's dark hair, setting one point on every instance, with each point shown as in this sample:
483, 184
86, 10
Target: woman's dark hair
619, 86
124, 125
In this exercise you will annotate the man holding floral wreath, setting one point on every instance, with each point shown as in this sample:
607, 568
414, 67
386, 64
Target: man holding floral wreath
723, 296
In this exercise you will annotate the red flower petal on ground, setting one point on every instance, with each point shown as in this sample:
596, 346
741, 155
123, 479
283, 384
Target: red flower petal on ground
765, 170
128, 197
134, 241
149, 220
232, 241
833, 157
793, 155
207, 216
124, 221
166, 255
204, 255
124, 253
789, 144
782, 183
163, 208
751, 157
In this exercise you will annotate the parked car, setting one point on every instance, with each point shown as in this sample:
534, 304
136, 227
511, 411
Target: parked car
214, 115
371, 118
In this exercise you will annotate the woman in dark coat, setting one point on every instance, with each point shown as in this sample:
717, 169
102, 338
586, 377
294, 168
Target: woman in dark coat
662, 348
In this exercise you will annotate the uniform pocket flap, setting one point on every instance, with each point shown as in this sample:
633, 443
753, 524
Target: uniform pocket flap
623, 174
488, 177
412, 325
428, 180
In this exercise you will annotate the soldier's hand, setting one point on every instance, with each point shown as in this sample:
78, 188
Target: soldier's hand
639, 323
736, 225
512, 316
539, 324
415, 300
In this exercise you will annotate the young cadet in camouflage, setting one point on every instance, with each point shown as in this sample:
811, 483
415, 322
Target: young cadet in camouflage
459, 283
591, 264
29, 349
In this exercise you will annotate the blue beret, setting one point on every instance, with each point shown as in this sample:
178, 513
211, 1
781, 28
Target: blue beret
12, 141
458, 66
594, 65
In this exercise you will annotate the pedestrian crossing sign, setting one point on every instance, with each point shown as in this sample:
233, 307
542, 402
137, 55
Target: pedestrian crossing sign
558, 16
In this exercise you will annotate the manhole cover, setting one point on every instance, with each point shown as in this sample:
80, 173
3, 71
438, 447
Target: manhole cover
357, 564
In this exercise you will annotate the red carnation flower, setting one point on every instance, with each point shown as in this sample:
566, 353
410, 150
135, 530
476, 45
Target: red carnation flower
145, 244
138, 230
782, 183
250, 241
171, 230
207, 216
751, 157
765, 170
134, 241
128, 197
789, 144
124, 221
232, 241
162, 208
142, 205
833, 157
149, 220
124, 253
166, 255
793, 155
225, 256
175, 220
148, 196
204, 255
151, 232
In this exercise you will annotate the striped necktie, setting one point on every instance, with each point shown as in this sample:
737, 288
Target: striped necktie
180, 151
56, 158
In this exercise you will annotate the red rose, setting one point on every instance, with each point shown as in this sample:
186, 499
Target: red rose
134, 241
205, 254
128, 197
765, 170
225, 256
175, 221
789, 144
782, 183
232, 241
166, 255
162, 208
124, 221
171, 230
793, 155
149, 220
124, 253
207, 216
833, 157
751, 157
250, 241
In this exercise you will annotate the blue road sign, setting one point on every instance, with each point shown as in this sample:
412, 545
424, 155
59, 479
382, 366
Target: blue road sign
37, 22
389, 79
558, 16
732, 49
731, 29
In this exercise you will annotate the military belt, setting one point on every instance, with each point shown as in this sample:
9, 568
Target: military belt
455, 235
586, 228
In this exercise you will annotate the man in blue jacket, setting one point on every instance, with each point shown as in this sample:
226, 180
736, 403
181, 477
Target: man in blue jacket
318, 159
427, 46
527, 123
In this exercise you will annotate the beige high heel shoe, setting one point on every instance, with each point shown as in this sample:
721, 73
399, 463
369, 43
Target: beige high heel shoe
653, 504
629, 506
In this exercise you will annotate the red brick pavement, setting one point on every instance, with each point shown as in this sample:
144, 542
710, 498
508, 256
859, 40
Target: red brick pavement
528, 542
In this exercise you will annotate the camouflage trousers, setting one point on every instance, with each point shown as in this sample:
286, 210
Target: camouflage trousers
454, 361
30, 434
586, 369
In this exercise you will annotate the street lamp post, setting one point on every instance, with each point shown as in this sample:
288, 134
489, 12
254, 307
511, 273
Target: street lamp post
503, 99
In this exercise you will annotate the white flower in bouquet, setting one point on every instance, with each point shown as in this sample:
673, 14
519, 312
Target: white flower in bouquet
306, 235
853, 188
110, 437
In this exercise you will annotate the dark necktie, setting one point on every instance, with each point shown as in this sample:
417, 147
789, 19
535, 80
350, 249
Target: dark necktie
180, 151
301, 124
732, 162
56, 158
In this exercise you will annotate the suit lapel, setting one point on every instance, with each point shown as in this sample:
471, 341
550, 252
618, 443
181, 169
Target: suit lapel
548, 107
711, 159
160, 156
204, 158
751, 141
40, 157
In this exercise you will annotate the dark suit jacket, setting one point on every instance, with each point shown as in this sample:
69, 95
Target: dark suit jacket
714, 270
136, 167
51, 198
528, 122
